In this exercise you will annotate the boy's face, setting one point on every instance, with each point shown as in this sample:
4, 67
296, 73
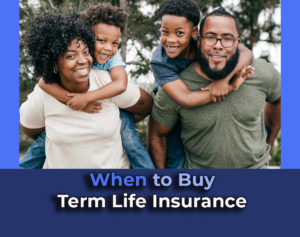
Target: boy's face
176, 33
106, 41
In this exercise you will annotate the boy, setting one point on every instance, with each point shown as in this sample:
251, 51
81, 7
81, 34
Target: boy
107, 22
176, 51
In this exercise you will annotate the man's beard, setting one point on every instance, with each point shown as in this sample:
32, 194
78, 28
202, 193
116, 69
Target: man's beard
217, 74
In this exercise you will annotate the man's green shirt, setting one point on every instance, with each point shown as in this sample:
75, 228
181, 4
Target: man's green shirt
228, 134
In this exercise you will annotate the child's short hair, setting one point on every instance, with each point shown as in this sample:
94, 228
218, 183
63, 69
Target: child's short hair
106, 13
185, 8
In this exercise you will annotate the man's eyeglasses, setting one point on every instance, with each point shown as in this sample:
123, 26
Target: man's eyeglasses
227, 41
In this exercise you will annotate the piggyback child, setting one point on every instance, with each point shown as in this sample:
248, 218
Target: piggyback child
107, 23
175, 52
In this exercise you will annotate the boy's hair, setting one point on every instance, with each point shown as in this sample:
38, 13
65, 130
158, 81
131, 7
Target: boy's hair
219, 12
49, 36
185, 8
106, 13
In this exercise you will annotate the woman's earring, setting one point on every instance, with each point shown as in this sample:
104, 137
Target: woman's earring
55, 70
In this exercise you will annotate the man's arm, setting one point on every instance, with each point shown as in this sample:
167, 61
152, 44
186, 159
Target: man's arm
272, 120
157, 147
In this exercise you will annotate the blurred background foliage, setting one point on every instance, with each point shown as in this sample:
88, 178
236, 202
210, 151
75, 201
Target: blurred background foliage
141, 36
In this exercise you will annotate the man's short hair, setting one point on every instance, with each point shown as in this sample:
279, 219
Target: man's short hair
185, 8
106, 13
219, 12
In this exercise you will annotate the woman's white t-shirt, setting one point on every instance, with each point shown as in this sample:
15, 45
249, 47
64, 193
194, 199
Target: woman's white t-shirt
76, 139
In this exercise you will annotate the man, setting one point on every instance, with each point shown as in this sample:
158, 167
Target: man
229, 134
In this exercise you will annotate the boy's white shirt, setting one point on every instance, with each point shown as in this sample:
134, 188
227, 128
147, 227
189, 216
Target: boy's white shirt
76, 139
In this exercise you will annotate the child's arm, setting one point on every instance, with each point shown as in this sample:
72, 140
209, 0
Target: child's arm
55, 90
179, 92
61, 94
220, 88
117, 86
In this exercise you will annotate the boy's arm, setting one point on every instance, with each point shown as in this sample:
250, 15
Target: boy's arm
179, 92
117, 86
220, 88
55, 90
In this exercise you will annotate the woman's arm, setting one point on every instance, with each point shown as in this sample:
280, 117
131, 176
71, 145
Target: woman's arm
143, 105
32, 132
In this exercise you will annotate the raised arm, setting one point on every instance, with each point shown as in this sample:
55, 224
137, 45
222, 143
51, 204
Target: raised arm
55, 90
245, 59
157, 147
272, 120
115, 87
179, 92
221, 88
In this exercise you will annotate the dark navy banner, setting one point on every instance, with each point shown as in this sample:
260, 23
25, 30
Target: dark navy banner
58, 203
255, 202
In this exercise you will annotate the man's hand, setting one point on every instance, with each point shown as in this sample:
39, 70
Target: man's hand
240, 78
92, 108
78, 102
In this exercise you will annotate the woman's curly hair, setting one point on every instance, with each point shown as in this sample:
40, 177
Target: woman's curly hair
106, 13
49, 36
185, 8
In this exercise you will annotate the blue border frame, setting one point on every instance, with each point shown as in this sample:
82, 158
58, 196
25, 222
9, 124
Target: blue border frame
26, 200
290, 84
9, 96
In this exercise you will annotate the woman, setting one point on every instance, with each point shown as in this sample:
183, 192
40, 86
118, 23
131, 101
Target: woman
60, 45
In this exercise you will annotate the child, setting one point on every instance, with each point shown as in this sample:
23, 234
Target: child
176, 51
107, 22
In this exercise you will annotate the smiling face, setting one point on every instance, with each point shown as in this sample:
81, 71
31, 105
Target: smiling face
74, 65
218, 26
106, 41
176, 33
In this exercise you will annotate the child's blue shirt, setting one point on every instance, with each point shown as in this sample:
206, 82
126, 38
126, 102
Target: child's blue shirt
166, 69
115, 61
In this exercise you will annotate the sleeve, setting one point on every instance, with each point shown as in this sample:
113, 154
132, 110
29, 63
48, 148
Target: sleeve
115, 61
129, 97
164, 109
162, 73
32, 110
273, 83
